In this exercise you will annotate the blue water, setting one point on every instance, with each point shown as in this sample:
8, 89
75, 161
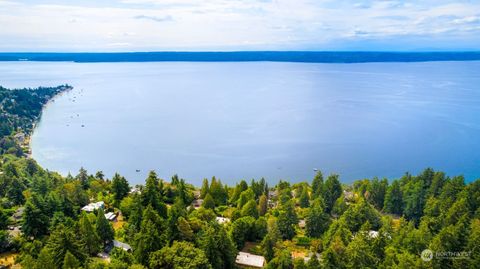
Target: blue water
252, 119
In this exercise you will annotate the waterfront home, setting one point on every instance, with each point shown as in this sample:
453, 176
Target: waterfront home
93, 206
197, 203
250, 260
222, 220
122, 245
111, 216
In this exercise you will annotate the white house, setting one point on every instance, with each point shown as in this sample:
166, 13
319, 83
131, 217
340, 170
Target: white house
250, 260
222, 220
93, 206
122, 245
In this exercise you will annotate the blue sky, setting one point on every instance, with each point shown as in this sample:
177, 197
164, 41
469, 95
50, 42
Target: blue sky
224, 25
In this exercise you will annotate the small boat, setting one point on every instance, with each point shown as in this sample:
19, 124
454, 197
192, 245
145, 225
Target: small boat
138, 170
83, 125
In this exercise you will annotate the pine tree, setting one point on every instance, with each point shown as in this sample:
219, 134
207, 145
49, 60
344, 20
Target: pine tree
304, 198
88, 235
205, 189
317, 185
103, 227
287, 219
61, 241
250, 209
120, 187
393, 199
208, 202
70, 262
332, 191
262, 205
316, 221
83, 178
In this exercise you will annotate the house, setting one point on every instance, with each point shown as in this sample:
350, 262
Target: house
111, 216
18, 213
20, 137
301, 223
272, 194
196, 194
222, 220
135, 190
122, 245
372, 234
197, 203
250, 260
93, 206
349, 195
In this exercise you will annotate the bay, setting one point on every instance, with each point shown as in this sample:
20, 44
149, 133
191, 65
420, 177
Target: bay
243, 120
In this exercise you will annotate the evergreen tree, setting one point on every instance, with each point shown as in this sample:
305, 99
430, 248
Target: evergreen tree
304, 198
218, 247
151, 237
376, 191
103, 228
35, 220
218, 192
63, 241
393, 199
250, 209
82, 177
70, 262
317, 185
89, 236
45, 260
316, 221
268, 245
15, 192
205, 188
152, 194
332, 191
262, 205
208, 202
120, 187
185, 231
287, 219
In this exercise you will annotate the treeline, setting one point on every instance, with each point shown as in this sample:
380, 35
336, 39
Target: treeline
369, 224
19, 110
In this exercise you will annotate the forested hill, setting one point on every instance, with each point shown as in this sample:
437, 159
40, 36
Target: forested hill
247, 56
20, 109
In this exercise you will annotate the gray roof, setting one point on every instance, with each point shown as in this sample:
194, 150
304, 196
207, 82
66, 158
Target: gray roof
122, 245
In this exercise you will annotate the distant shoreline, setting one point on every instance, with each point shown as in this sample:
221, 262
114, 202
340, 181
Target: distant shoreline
244, 56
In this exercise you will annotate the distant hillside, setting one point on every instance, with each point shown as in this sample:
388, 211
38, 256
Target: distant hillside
243, 56
19, 110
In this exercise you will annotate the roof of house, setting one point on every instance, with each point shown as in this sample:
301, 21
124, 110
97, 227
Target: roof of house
110, 216
222, 220
122, 245
247, 259
373, 234
93, 206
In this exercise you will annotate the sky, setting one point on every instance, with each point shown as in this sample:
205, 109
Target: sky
233, 25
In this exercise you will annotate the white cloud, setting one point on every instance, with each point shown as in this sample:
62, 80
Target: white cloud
227, 24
